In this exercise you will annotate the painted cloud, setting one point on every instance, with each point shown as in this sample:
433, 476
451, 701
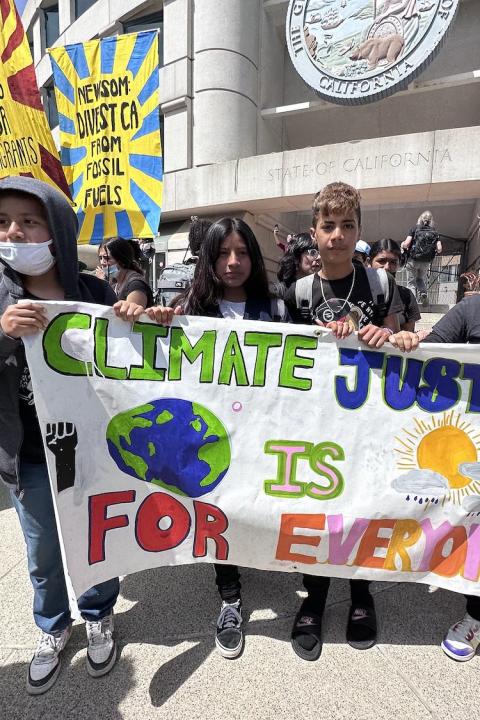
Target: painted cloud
421, 482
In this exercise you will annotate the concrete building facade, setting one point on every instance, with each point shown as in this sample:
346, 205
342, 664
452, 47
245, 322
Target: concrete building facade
244, 134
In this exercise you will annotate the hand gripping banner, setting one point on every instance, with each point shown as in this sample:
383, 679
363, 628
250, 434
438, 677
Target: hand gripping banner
26, 143
258, 444
109, 118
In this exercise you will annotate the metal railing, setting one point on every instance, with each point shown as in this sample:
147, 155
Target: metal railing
442, 280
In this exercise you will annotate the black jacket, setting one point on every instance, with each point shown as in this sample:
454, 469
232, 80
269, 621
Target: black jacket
78, 286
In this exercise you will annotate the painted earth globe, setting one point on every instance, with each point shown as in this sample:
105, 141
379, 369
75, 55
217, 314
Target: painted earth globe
176, 444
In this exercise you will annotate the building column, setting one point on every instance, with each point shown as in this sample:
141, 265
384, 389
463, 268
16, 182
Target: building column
176, 84
472, 259
226, 59
66, 14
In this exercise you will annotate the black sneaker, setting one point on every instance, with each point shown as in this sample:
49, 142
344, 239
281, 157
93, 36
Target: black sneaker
229, 638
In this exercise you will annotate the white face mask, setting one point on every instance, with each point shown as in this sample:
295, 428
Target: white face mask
28, 258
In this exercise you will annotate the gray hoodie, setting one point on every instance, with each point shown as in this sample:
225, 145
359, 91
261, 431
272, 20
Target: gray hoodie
63, 226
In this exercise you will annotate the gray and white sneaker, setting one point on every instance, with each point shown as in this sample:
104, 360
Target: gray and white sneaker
45, 665
229, 636
102, 648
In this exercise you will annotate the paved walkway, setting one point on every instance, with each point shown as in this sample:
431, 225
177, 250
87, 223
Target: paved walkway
169, 669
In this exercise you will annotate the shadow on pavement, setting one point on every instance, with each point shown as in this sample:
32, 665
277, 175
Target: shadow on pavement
74, 695
178, 605
181, 604
5, 501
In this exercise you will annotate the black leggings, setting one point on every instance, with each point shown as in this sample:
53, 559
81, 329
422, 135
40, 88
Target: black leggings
317, 588
227, 578
473, 606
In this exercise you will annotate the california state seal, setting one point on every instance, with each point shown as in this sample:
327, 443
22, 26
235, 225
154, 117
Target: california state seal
357, 51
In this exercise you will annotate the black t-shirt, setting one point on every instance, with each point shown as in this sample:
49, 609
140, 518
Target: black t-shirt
411, 311
136, 283
32, 445
460, 325
347, 298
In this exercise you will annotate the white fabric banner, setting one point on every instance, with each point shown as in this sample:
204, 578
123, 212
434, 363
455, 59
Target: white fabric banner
258, 444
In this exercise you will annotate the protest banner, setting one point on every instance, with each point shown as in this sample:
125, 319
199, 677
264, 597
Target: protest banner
26, 143
109, 119
263, 445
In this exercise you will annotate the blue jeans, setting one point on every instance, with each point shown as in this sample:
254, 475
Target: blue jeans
51, 607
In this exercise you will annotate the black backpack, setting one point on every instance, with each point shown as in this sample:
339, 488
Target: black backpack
379, 287
424, 243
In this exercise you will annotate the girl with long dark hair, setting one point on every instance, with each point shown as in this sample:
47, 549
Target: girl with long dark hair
120, 264
231, 282
230, 278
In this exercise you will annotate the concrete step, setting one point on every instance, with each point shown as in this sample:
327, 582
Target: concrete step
438, 309
428, 319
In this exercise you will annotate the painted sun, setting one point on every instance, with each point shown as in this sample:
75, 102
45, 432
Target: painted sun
442, 447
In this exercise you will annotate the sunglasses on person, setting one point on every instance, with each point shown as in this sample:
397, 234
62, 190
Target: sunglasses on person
313, 253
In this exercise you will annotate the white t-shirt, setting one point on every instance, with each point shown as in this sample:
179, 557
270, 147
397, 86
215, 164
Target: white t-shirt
235, 310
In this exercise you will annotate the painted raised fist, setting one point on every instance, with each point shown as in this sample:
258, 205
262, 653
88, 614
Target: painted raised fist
62, 440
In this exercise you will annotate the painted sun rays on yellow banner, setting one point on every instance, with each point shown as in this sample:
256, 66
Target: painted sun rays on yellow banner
26, 143
108, 109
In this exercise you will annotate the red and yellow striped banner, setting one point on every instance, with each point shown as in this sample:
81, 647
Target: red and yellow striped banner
26, 143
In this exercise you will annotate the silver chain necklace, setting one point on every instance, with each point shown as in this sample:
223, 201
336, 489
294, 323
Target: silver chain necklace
332, 312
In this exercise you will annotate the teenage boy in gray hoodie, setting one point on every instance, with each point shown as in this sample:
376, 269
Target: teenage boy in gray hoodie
38, 252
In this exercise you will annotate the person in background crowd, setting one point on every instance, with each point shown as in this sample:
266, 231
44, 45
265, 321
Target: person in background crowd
361, 252
386, 254
147, 250
38, 251
421, 245
230, 282
196, 235
120, 265
301, 258
281, 244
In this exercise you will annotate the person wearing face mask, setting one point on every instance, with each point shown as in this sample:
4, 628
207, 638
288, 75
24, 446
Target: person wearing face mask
38, 254
120, 264
386, 254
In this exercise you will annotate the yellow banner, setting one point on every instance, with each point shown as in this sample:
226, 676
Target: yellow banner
109, 117
26, 143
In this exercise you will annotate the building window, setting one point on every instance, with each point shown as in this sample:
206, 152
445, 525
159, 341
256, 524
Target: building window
30, 43
50, 104
82, 6
147, 22
52, 29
